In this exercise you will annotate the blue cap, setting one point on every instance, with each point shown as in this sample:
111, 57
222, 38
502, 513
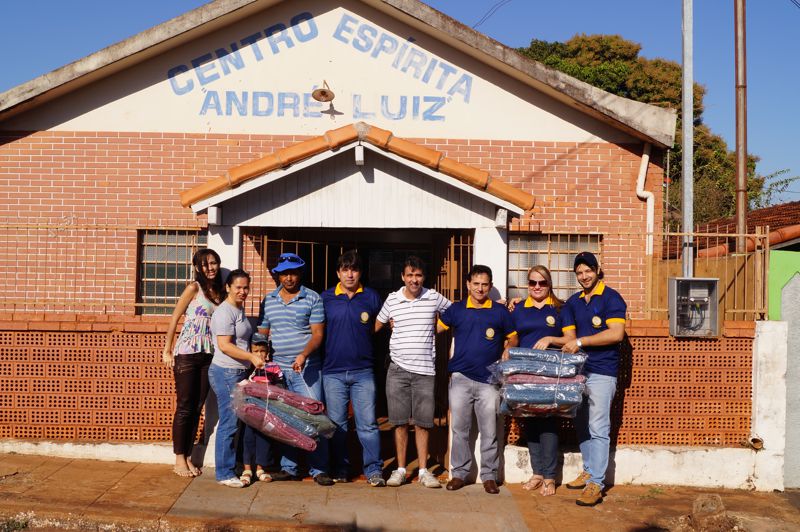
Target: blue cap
288, 261
258, 338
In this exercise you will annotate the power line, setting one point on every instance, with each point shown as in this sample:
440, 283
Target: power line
796, 3
496, 7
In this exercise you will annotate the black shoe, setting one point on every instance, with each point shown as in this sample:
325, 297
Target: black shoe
284, 475
341, 480
323, 480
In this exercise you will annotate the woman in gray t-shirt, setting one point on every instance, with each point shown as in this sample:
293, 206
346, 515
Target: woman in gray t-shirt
231, 333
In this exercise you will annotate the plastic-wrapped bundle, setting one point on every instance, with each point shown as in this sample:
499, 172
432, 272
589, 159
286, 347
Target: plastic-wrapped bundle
542, 394
554, 356
523, 378
312, 425
501, 370
538, 410
271, 425
272, 392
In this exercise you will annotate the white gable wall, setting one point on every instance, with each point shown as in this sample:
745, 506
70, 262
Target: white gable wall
382, 71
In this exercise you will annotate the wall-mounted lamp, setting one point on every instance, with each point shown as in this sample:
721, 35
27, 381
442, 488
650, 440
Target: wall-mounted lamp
359, 155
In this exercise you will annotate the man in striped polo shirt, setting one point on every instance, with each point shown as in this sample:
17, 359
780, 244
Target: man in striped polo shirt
294, 318
410, 379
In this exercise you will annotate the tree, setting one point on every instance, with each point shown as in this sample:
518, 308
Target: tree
613, 64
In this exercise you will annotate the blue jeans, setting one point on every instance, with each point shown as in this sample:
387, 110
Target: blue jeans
468, 396
308, 383
593, 425
357, 387
222, 381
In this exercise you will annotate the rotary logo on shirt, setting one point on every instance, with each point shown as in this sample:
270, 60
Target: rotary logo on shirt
364, 317
596, 322
550, 321
489, 333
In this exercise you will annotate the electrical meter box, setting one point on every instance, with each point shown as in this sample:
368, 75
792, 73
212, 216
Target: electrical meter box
693, 309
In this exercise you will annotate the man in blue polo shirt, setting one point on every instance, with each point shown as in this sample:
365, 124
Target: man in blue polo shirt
482, 330
594, 321
351, 309
294, 319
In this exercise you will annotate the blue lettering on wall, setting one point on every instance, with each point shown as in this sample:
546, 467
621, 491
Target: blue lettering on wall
212, 66
405, 56
402, 55
177, 87
262, 103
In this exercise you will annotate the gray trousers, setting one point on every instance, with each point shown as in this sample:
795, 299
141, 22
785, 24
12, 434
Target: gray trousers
468, 396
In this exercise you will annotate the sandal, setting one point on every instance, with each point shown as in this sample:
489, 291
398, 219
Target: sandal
193, 469
263, 476
548, 487
533, 483
246, 477
185, 473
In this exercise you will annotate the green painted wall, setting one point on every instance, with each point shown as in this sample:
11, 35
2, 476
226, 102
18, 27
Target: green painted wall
782, 267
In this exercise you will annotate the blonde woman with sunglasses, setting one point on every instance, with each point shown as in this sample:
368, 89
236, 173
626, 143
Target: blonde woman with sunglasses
538, 324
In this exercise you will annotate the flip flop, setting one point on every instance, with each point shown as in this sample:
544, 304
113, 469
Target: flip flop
533, 483
246, 477
185, 473
196, 471
548, 488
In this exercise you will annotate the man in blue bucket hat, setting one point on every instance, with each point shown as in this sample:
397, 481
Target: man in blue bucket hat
294, 318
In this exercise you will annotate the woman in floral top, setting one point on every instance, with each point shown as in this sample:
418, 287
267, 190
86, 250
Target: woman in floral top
192, 353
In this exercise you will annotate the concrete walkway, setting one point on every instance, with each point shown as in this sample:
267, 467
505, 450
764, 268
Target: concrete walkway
87, 494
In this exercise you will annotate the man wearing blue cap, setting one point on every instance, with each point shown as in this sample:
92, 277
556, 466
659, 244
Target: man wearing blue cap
594, 321
294, 318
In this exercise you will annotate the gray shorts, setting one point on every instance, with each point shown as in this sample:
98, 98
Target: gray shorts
409, 397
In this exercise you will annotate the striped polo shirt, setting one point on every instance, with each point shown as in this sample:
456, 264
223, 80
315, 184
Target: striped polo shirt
412, 344
290, 323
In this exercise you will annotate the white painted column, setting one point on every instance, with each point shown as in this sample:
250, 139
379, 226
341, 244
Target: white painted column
227, 241
769, 403
490, 248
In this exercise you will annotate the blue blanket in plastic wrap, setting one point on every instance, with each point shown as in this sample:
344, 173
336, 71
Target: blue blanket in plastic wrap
554, 356
542, 394
501, 370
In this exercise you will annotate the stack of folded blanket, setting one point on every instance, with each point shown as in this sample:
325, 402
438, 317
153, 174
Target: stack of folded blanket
282, 415
540, 382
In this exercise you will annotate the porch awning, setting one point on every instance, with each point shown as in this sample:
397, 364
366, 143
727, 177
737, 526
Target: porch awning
360, 131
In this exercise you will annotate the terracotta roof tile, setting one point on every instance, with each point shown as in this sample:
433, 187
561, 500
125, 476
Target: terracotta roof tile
381, 138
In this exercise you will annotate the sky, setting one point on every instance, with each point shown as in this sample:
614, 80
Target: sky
42, 35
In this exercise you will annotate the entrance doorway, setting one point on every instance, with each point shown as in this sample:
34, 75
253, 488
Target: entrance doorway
447, 254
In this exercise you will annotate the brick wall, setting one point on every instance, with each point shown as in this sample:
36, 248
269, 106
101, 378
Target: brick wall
95, 378
132, 180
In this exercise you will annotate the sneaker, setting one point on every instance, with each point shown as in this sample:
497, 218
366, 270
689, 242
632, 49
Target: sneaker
232, 482
376, 481
428, 480
580, 482
398, 478
323, 480
591, 496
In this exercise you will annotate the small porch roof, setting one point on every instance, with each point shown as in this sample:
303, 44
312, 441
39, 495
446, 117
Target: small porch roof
288, 160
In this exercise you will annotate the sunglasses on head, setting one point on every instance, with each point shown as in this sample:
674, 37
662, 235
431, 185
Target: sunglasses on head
542, 283
296, 260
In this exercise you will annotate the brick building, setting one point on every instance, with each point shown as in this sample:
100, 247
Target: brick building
204, 131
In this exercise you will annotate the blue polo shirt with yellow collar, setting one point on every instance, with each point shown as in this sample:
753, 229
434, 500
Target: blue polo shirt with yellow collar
480, 334
605, 306
532, 324
348, 329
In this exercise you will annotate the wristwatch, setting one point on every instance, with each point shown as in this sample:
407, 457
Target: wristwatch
580, 344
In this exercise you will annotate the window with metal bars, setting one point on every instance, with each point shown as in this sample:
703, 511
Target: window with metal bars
556, 251
165, 266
